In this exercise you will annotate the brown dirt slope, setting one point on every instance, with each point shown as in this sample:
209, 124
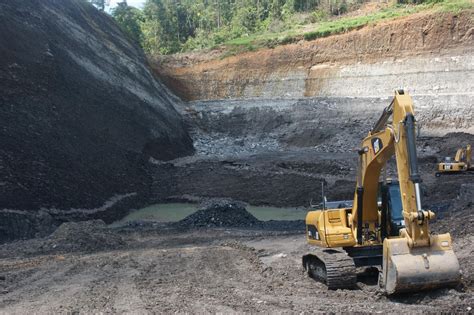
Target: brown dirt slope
204, 76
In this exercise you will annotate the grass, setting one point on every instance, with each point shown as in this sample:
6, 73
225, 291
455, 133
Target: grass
340, 25
455, 6
347, 24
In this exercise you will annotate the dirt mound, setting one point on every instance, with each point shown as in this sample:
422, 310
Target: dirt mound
450, 143
458, 221
220, 213
86, 236
459, 218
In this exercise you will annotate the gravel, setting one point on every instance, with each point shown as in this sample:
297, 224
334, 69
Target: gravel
86, 236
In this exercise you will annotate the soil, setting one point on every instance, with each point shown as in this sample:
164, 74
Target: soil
204, 76
221, 258
229, 264
292, 177
161, 269
80, 110
81, 114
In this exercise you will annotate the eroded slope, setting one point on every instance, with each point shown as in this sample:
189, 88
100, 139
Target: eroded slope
79, 109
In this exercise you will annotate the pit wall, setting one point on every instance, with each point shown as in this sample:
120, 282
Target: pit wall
335, 124
429, 55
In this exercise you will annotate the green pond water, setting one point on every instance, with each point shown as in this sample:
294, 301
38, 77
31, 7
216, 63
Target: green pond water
172, 212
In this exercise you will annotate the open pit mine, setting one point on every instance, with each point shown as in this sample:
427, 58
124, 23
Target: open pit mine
197, 183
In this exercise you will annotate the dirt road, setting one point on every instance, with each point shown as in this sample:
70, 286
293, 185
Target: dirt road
215, 270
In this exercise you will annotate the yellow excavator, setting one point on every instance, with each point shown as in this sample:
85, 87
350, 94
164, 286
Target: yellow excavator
461, 163
386, 226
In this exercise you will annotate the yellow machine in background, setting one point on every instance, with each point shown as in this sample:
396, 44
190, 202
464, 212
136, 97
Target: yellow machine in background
386, 226
461, 163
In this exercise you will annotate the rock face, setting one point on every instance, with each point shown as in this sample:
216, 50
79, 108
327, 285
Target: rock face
80, 112
285, 179
430, 55
273, 124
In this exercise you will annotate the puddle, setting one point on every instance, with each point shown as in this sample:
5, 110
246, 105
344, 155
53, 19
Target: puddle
172, 212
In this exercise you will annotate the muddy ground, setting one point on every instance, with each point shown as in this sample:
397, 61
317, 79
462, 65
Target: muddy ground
211, 270
143, 268
184, 267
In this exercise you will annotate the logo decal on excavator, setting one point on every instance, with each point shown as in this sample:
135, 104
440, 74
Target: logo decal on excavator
377, 145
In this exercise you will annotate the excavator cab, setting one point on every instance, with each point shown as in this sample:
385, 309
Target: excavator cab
391, 209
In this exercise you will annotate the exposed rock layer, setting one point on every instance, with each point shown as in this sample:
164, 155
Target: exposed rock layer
430, 55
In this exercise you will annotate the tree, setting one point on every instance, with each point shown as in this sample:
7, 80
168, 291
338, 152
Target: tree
169, 26
160, 28
129, 20
305, 5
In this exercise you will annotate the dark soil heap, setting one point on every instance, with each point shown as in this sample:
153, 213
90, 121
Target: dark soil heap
220, 213
81, 114
458, 219
80, 111
86, 236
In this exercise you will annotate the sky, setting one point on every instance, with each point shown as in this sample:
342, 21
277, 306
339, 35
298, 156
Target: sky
132, 3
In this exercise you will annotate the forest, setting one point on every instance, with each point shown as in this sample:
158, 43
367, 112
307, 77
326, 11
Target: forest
172, 26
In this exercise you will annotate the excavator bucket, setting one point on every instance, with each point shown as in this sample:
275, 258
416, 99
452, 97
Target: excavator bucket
408, 269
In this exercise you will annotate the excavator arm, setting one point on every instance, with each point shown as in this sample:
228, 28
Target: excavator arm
463, 155
416, 259
382, 142
468, 156
412, 258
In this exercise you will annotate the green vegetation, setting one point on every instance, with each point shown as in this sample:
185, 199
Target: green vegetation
171, 26
455, 6
130, 20
346, 24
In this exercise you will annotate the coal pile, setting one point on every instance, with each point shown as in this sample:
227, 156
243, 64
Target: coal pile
73, 91
458, 218
85, 236
220, 213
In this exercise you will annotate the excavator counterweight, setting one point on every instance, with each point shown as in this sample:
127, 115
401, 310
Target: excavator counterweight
387, 226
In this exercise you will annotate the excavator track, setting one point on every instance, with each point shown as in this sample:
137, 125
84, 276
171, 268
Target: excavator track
335, 269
